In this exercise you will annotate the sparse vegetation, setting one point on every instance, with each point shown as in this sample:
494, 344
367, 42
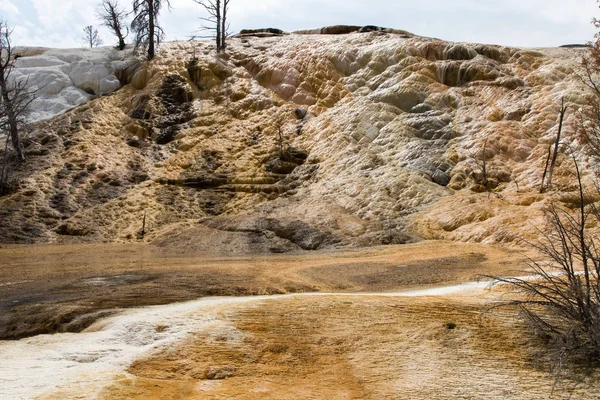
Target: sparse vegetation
283, 144
549, 168
542, 187
143, 230
91, 37
148, 32
216, 21
589, 117
15, 100
480, 175
194, 70
562, 301
113, 17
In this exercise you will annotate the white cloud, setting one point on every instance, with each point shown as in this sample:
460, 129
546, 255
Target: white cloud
59, 23
8, 8
28, 36
58, 14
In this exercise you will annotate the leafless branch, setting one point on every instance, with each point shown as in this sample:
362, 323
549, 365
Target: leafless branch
113, 17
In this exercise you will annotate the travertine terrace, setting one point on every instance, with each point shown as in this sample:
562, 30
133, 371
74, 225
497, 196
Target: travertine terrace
191, 167
382, 136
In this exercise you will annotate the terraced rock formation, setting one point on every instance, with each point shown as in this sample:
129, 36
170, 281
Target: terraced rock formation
305, 141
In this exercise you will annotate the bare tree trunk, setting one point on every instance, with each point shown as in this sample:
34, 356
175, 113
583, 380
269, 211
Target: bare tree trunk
563, 306
4, 172
15, 96
542, 188
12, 120
112, 16
144, 226
151, 29
582, 236
218, 23
484, 166
122, 43
563, 110
216, 20
16, 141
224, 24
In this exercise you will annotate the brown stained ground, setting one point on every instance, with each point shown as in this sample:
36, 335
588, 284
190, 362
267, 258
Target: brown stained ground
351, 347
307, 346
46, 289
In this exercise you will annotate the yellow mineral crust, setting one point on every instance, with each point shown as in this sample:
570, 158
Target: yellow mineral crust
306, 142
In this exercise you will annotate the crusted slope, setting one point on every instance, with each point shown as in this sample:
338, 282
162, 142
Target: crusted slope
389, 149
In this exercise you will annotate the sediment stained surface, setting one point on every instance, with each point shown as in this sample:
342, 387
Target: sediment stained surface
354, 344
327, 346
50, 289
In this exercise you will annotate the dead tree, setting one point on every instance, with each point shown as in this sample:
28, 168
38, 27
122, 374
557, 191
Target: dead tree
216, 20
481, 162
213, 8
148, 33
484, 164
113, 17
224, 25
563, 110
562, 303
16, 98
589, 117
281, 137
91, 37
4, 169
143, 231
542, 187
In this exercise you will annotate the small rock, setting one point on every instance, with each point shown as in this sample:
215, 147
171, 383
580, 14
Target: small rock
278, 166
220, 372
259, 32
339, 29
300, 113
371, 28
441, 178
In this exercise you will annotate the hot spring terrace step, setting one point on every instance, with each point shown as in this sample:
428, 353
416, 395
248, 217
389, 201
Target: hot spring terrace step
253, 188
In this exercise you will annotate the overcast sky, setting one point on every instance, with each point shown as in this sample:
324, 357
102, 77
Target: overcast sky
528, 23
